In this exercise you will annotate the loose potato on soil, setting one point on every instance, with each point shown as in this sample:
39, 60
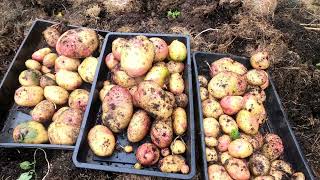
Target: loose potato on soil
211, 155
256, 77
260, 60
117, 46
211, 141
49, 60
161, 133
273, 146
211, 127
180, 123
247, 122
231, 104
237, 169
30, 132
172, 163
101, 141
176, 84
30, 77
147, 154
139, 126
204, 94
223, 143
58, 113
71, 117
178, 147
111, 61
28, 96
227, 64
43, 111
217, 172
66, 63
281, 165
181, 100
78, 99
161, 49
203, 81
47, 80
228, 124
279, 175
211, 108
40, 54
68, 80
256, 108
62, 133
259, 165
56, 94
159, 73
87, 69
33, 64
177, 51
175, 67
121, 78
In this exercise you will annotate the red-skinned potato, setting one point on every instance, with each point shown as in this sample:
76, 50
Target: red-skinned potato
211, 127
237, 169
211, 108
176, 84
28, 96
63, 62
240, 148
273, 146
223, 143
110, 61
147, 154
43, 111
231, 104
40, 54
175, 67
117, 46
180, 123
101, 141
260, 60
161, 49
247, 122
165, 152
177, 51
161, 133
139, 126
217, 172
78, 99
227, 64
172, 164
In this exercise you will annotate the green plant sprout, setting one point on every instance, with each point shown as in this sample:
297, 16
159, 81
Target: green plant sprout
173, 14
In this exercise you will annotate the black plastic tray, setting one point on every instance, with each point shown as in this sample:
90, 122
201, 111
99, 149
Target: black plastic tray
10, 113
120, 161
277, 119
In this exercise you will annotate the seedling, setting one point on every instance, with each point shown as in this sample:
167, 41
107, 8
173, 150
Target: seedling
173, 14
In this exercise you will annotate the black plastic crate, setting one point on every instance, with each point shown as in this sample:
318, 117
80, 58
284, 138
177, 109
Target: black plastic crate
277, 119
10, 113
120, 161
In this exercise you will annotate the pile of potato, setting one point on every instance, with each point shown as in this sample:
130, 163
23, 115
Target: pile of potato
52, 85
145, 96
233, 110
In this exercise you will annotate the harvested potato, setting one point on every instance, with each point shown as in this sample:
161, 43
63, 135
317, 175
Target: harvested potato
224, 157
71, 117
133, 90
181, 100
203, 81
161, 133
165, 152
281, 165
87, 69
217, 172
52, 33
228, 124
279, 175
178, 147
147, 154
211, 141
40, 54
176, 84
30, 77
111, 61
211, 155
159, 73
161, 49
257, 92
121, 78
68, 80
45, 70
231, 104
260, 60
171, 164
78, 99
247, 122
237, 168
43, 111
266, 84
177, 51
255, 140
56, 94
264, 178
273, 146
30, 132
175, 67
256, 108
223, 143
211, 127
103, 92
62, 133
66, 63
49, 60
204, 94
211, 108
28, 96
185, 169
227, 64
180, 123
298, 176
101, 141
256, 77
47, 80
117, 46
58, 113
33, 64
139, 126
259, 165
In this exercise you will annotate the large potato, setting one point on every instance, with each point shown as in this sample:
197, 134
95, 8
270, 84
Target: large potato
161, 133
62, 133
159, 73
211, 108
87, 69
260, 60
71, 117
172, 163
227, 84
77, 43
30, 132
256, 77
101, 141
33, 64
175, 67
121, 78
56, 94
117, 46
43, 111
58, 113
49, 60
28, 96
63, 62
68, 80
237, 169
273, 146
240, 148
228, 124
78, 99
227, 64
247, 122
211, 127
30, 77
161, 49
117, 109
217, 172
40, 54
180, 123
147, 154
256, 108
47, 80
139, 126
176, 84
177, 51
231, 104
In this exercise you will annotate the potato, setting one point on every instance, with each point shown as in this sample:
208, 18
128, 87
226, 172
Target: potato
28, 96
68, 80
87, 69
40, 54
110, 61
260, 60
279, 175
211, 127
43, 111
273, 146
49, 60
63, 62
71, 117
58, 113
266, 84
154, 100
255, 140
77, 43
133, 90
231, 104
228, 124
33, 64
247, 122
101, 141
264, 178
204, 94
298, 176
256, 108
223, 143
181, 100
117, 109
224, 157
103, 92
159, 73
259, 165
45, 70
257, 92
256, 77
185, 169
211, 108
171, 164
147, 154
237, 168
211, 141
176, 84
78, 99
52, 33
121, 78
117, 46
178, 147
175, 67
30, 77
161, 49
227, 64
30, 132
56, 94
165, 152
281, 165
217, 172
227, 84
211, 155
177, 51
47, 80
203, 81
180, 123
139, 126
62, 133
161, 133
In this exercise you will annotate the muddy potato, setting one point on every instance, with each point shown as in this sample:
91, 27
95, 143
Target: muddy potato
260, 60
33, 64
223, 143
43, 111
217, 172
298, 176
52, 33
30, 77
71, 117
159, 73
177, 51
101, 141
47, 80
237, 169
224, 157
58, 113
62, 133
180, 123
147, 154
87, 69
266, 84
227, 64
103, 92
30, 132
110, 61
228, 124
175, 67
171, 164
139, 126
121, 78
247, 122
203, 81
68, 80
204, 94
257, 92
63, 62
211, 155
176, 84
256, 108
211, 127
211, 141
227, 84
273, 146
78, 99
264, 178
279, 175
256, 77
161, 133
211, 108
231, 104
117, 46
49, 60
178, 147
281, 165
161, 49
165, 152
257, 141
40, 54
28, 96
133, 90
56, 94
181, 100
259, 165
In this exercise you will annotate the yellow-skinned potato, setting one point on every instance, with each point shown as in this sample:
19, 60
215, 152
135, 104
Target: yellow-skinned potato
62, 133
203, 81
181, 100
298, 176
33, 64
101, 141
211, 108
172, 163
121, 78
43, 111
268, 177
175, 67
177, 51
211, 141
278, 175
204, 94
56, 94
256, 91
211, 155
240, 148
227, 64
158, 73
255, 140
180, 123
161, 133
161, 49
176, 84
63, 62
28, 96
224, 157
111, 61
223, 143
30, 77
281, 166
117, 46
178, 147
45, 70
68, 80
227, 123
260, 60
266, 84
78, 99
49, 60
256, 77
40, 54
58, 113
256, 108
247, 122
30, 132
211, 127
71, 117
87, 69
47, 80
139, 126
103, 92
231, 104
217, 172
237, 169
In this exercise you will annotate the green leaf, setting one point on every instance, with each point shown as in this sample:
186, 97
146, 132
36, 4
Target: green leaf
318, 65
26, 165
235, 134
25, 176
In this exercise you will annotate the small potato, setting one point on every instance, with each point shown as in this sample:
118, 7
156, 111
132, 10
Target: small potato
217, 172
58, 113
185, 169
165, 152
203, 81
211, 127
259, 165
71, 117
28, 96
240, 148
211, 155
227, 64
40, 54
139, 126
181, 100
110, 61
257, 92
247, 122
30, 77
279, 175
117, 46
211, 141
56, 94
260, 60
78, 99
68, 80
180, 123
171, 164
33, 64
101, 141
204, 94
61, 133
256, 108
47, 80
43, 111
161, 133
161, 49
175, 67
228, 124
159, 73
298, 176
211, 108
266, 84
87, 69
147, 154
231, 104
45, 70
176, 84
264, 178
223, 143
63, 62
104, 91
177, 51
178, 147
273, 146
256, 77
281, 165
133, 90
224, 157
121, 78
30, 132
49, 60
237, 169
